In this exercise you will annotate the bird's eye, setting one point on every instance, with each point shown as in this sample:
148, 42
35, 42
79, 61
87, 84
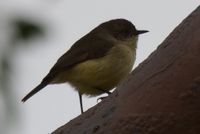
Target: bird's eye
125, 33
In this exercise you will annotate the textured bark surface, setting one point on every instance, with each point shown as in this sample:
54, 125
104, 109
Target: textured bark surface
161, 96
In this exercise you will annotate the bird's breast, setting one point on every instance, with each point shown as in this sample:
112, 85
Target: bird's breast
103, 73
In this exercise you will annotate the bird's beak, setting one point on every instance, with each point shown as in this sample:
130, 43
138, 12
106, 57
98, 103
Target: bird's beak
141, 31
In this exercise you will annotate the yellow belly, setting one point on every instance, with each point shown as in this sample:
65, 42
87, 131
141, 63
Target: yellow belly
103, 73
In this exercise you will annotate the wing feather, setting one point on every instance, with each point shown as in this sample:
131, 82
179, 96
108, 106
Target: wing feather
87, 48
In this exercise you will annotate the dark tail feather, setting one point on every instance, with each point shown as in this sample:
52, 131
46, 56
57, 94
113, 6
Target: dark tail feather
34, 91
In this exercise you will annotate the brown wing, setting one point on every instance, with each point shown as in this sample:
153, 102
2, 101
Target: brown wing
88, 47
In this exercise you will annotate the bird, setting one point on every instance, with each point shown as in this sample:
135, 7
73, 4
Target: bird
97, 62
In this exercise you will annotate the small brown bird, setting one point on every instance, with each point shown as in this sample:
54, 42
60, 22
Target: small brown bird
98, 61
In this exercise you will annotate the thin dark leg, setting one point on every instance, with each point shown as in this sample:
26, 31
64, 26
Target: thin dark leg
101, 98
81, 103
104, 91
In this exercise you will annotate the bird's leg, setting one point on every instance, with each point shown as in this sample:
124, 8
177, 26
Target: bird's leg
101, 98
81, 103
104, 91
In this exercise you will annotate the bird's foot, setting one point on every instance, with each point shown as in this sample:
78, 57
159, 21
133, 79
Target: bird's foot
101, 98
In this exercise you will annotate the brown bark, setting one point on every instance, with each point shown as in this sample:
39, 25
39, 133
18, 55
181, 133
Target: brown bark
161, 96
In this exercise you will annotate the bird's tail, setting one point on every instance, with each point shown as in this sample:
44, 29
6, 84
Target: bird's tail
34, 91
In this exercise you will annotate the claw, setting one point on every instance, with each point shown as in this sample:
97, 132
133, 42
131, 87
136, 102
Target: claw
101, 98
